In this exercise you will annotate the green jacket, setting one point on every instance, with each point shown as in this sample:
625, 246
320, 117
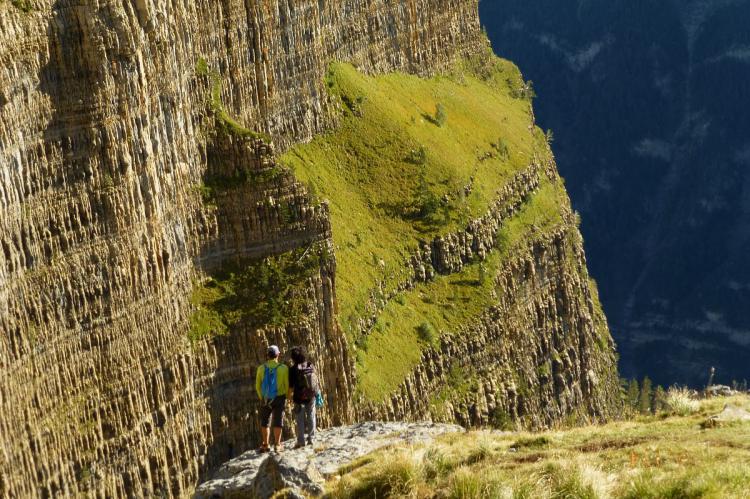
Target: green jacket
282, 378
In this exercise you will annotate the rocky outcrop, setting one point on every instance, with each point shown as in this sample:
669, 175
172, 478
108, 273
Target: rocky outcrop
448, 254
303, 471
730, 415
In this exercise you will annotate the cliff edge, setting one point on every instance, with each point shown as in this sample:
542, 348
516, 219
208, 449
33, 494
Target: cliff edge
153, 240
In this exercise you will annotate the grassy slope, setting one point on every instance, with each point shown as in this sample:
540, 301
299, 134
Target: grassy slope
367, 170
660, 456
446, 303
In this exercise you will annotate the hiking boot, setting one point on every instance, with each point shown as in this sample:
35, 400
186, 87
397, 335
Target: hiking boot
298, 445
278, 449
263, 449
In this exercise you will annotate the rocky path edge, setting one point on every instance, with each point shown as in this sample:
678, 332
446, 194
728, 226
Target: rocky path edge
303, 471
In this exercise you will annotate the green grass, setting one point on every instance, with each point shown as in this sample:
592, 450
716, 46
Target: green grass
254, 292
394, 172
412, 158
652, 457
447, 303
388, 161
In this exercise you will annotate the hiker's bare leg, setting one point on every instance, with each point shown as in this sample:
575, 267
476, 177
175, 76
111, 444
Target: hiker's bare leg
264, 435
276, 435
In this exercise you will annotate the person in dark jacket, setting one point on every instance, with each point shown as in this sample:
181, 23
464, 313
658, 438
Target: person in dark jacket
303, 383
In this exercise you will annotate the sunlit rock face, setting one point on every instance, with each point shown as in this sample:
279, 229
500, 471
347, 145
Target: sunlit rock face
118, 121
105, 140
646, 101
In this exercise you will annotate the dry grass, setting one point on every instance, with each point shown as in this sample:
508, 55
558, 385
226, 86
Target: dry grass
662, 456
681, 401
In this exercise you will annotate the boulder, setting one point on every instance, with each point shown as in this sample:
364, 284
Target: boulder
730, 414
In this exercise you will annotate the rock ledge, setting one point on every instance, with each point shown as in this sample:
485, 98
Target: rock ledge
261, 475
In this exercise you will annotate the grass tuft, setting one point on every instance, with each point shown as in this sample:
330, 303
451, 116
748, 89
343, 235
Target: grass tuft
398, 475
540, 442
646, 486
680, 401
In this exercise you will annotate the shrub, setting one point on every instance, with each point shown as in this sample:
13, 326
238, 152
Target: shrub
440, 115
502, 148
426, 202
417, 156
482, 278
22, 5
501, 420
201, 67
680, 401
107, 181
549, 136
426, 332
526, 91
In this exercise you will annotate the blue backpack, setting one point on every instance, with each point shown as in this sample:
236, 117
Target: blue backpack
268, 388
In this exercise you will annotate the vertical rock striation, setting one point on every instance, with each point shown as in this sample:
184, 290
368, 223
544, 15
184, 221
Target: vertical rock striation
128, 184
104, 140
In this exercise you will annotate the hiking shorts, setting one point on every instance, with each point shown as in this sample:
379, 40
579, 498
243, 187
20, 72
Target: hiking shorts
272, 413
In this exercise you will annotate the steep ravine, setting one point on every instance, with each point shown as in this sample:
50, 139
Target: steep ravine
138, 215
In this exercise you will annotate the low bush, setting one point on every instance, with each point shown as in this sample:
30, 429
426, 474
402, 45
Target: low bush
427, 333
440, 115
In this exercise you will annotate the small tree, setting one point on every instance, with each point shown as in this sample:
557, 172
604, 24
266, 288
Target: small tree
633, 394
482, 273
550, 136
644, 400
440, 115
658, 399
426, 201
427, 332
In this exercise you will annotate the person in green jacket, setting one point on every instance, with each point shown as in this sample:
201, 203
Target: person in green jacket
272, 387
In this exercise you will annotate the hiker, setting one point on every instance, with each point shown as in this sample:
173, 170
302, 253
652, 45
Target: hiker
303, 383
272, 386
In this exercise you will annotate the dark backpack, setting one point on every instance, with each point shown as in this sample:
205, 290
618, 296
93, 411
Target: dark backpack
307, 382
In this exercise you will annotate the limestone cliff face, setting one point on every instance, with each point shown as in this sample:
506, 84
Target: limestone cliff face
122, 195
540, 354
104, 139
535, 357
